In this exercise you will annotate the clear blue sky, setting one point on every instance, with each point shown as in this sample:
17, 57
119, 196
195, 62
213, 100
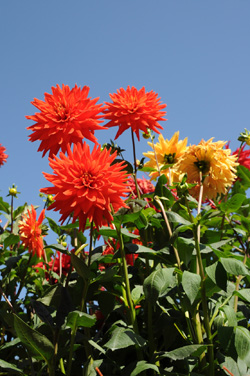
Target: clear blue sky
195, 54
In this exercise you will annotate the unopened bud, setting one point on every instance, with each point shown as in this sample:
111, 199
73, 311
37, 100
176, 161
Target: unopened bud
146, 135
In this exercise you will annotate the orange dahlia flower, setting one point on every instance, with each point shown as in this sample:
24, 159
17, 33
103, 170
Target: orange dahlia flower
30, 231
134, 109
216, 165
3, 156
65, 117
86, 185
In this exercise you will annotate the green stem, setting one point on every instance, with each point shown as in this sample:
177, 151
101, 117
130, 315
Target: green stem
130, 307
11, 214
200, 270
90, 243
157, 199
237, 286
135, 165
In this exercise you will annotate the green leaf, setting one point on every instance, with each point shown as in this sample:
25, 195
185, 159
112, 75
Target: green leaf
217, 274
185, 248
174, 217
4, 206
57, 247
54, 226
122, 338
244, 175
230, 315
40, 345
184, 352
142, 365
42, 312
191, 284
242, 344
233, 266
78, 318
9, 366
80, 266
232, 205
232, 366
11, 240
243, 294
51, 296
96, 346
156, 284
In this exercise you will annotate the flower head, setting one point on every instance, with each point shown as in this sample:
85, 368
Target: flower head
167, 152
134, 109
3, 156
30, 231
86, 185
65, 117
60, 265
216, 166
144, 186
243, 156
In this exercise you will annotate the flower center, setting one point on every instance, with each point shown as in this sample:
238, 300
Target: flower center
88, 180
61, 112
132, 104
169, 158
203, 166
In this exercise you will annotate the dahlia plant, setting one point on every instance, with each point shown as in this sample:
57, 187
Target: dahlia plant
149, 275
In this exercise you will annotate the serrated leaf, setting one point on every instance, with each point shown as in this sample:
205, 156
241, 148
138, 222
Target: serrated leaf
191, 284
40, 345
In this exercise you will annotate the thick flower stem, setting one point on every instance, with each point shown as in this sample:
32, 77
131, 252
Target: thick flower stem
11, 214
135, 165
200, 271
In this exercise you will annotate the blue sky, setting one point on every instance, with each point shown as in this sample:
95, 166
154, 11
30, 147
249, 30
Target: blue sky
195, 54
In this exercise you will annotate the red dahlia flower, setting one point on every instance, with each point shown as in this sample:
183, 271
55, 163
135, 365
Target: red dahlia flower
65, 117
86, 185
31, 232
3, 156
134, 109
244, 157
145, 186
60, 264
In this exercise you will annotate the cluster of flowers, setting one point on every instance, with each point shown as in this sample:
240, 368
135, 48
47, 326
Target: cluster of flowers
89, 185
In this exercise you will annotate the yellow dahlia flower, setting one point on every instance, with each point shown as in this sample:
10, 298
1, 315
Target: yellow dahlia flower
216, 166
167, 152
